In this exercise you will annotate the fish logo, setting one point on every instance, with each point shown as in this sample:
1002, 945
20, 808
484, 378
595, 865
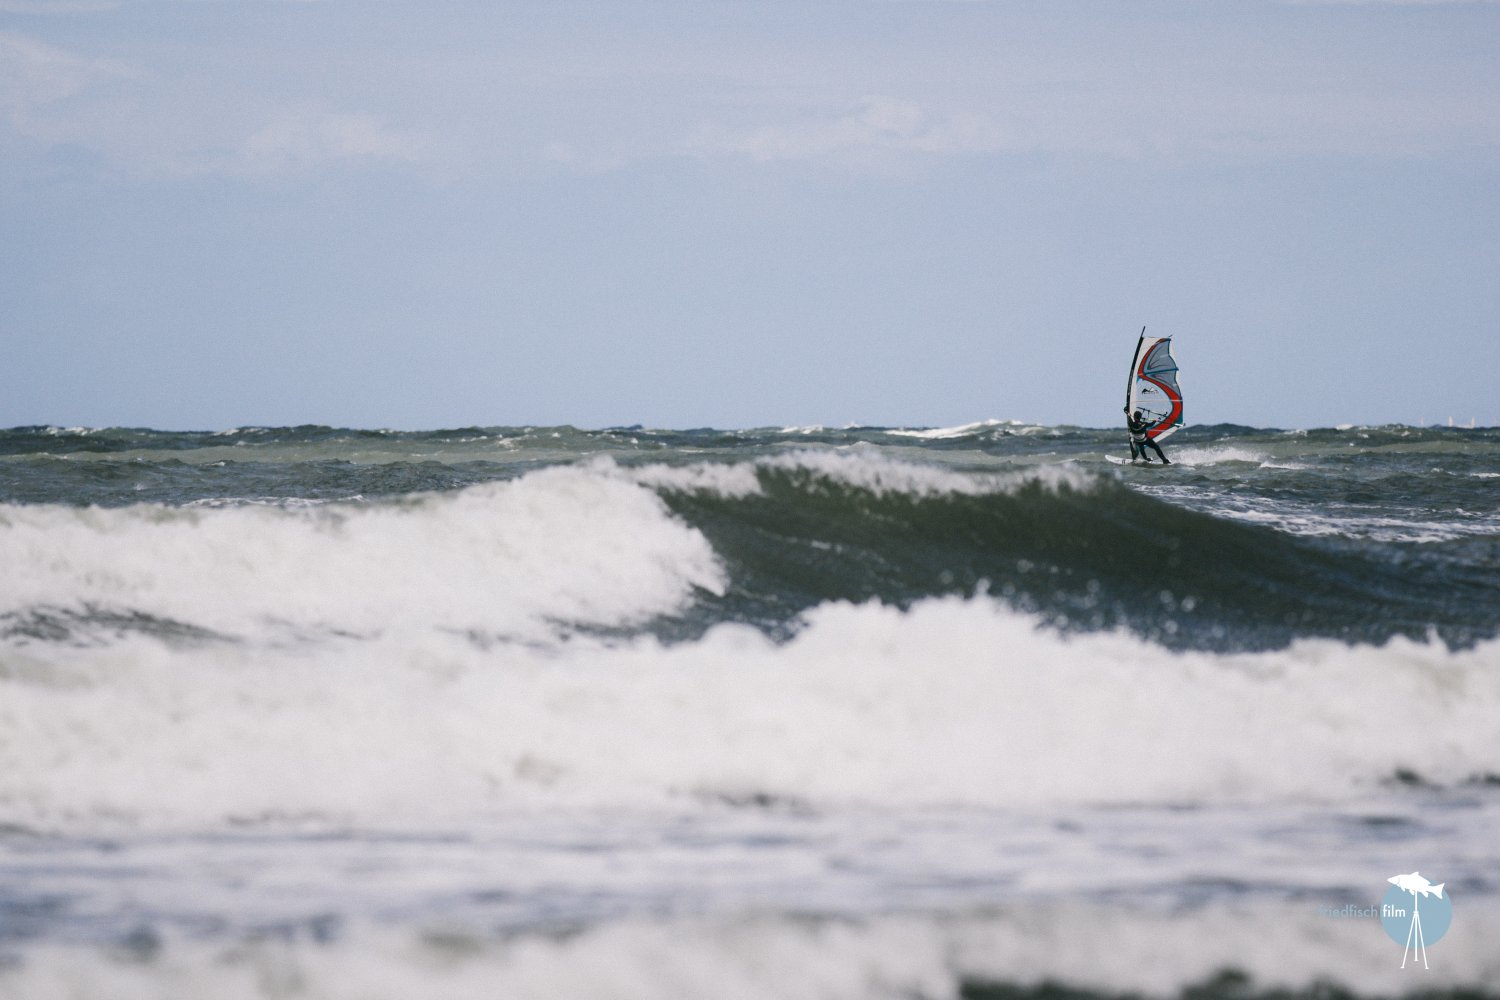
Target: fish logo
1415, 883
1415, 913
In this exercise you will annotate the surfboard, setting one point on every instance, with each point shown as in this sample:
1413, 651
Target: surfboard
1153, 464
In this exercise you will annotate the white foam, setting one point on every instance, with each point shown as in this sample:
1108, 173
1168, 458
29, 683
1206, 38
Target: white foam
561, 543
859, 467
954, 702
887, 957
1335, 519
1215, 455
964, 430
871, 469
211, 503
730, 480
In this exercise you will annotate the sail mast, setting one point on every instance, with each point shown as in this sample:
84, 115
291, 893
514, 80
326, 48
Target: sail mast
1130, 379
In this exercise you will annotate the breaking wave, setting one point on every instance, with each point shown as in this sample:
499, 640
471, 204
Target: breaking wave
952, 702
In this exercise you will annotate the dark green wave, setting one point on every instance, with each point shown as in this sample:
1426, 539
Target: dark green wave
1094, 556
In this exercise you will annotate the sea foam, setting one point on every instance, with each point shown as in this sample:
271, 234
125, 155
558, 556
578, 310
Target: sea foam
503, 558
1107, 951
953, 702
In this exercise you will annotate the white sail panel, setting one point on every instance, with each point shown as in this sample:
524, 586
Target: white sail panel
1153, 387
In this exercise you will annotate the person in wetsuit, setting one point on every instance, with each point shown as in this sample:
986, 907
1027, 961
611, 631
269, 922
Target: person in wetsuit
1138, 439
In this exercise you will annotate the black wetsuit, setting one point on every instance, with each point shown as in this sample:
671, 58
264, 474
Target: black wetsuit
1139, 442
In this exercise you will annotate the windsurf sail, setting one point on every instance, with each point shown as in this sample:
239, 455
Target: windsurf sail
1153, 388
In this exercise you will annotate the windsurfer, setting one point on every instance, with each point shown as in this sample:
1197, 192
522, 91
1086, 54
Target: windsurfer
1139, 440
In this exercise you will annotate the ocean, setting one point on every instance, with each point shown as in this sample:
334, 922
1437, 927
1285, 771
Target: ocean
805, 712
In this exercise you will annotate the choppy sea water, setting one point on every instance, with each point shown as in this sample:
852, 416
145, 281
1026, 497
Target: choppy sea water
795, 712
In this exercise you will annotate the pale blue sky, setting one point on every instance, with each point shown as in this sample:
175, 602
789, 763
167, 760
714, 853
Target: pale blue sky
921, 212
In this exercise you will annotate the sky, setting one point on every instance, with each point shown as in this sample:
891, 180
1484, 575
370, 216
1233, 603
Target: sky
741, 214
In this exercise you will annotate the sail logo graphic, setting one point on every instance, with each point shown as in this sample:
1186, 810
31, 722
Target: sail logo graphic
1415, 913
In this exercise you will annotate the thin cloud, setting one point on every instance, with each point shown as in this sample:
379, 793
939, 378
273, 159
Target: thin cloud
992, 82
34, 74
51, 97
877, 126
56, 6
304, 140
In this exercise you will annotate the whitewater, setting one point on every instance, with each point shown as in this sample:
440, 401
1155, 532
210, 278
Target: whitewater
792, 712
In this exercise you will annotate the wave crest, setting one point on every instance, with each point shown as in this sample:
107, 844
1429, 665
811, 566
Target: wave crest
951, 703
557, 545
